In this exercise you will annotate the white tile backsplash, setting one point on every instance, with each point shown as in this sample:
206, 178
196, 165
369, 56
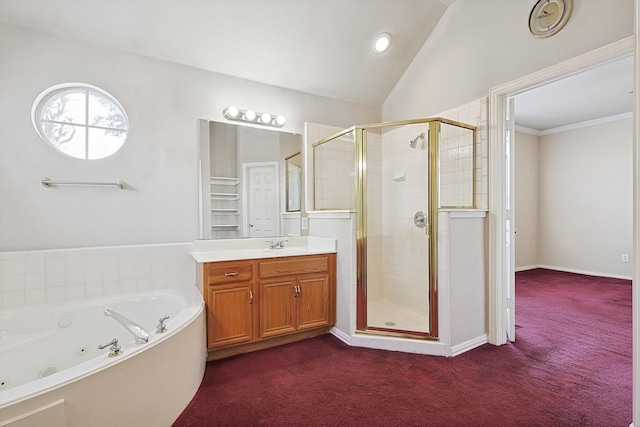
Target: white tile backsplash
36, 277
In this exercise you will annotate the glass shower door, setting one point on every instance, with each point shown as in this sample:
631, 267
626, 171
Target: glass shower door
397, 246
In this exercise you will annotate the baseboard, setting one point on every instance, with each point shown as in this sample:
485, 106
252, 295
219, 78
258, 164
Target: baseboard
340, 335
585, 272
527, 267
468, 345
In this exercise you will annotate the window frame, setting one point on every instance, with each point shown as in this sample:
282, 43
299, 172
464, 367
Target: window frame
47, 95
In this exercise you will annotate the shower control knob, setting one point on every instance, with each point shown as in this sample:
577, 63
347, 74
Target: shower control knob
420, 219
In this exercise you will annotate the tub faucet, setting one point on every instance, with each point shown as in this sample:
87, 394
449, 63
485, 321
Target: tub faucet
141, 336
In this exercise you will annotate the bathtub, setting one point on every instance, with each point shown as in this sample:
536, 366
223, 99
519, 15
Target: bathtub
52, 372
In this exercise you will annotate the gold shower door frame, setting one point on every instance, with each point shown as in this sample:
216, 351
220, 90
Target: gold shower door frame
431, 230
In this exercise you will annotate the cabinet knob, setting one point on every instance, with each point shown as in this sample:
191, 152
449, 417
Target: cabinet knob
250, 297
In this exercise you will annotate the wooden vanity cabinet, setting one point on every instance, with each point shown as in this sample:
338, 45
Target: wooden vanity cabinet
230, 300
262, 303
295, 294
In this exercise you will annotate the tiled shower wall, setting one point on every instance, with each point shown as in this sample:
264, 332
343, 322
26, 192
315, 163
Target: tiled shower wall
455, 156
333, 171
46, 276
397, 183
335, 168
405, 248
456, 166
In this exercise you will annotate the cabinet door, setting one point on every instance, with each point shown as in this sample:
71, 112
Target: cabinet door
277, 307
229, 318
312, 301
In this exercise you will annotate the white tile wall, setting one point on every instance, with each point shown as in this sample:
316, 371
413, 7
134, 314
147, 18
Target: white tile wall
314, 132
35, 277
405, 254
455, 156
334, 166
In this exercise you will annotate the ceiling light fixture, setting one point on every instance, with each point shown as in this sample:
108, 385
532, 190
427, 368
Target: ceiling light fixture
382, 43
251, 116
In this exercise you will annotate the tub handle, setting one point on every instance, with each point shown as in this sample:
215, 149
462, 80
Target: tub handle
114, 349
161, 328
234, 273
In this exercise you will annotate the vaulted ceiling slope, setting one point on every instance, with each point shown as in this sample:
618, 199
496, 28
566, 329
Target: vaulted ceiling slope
322, 47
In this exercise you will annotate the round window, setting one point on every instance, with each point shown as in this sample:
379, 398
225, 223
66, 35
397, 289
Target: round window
81, 121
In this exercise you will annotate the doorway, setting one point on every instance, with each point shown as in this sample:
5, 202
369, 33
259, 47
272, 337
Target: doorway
501, 146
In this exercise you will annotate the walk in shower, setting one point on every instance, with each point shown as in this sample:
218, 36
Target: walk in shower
397, 176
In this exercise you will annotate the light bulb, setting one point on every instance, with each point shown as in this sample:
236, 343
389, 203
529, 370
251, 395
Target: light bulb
265, 118
280, 120
232, 111
250, 115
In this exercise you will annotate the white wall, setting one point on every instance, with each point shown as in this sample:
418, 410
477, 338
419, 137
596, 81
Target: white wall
478, 45
585, 204
526, 195
158, 161
464, 278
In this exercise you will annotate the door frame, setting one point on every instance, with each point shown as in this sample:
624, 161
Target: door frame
245, 194
500, 270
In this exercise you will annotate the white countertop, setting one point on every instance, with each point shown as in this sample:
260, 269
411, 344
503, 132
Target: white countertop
242, 249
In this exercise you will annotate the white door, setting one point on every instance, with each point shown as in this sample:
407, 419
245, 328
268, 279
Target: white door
261, 209
509, 215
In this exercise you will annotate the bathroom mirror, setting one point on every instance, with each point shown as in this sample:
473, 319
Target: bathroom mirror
244, 185
293, 178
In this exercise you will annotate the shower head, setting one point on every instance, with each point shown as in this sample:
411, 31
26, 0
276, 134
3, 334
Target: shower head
413, 143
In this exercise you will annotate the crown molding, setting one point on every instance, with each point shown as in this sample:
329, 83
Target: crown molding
528, 131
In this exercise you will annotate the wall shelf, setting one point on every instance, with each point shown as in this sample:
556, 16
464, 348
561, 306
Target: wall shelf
225, 211
223, 180
225, 196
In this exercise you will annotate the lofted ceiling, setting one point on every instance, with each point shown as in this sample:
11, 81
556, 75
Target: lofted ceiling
322, 47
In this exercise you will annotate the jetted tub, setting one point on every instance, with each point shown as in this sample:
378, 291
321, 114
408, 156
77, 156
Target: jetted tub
52, 372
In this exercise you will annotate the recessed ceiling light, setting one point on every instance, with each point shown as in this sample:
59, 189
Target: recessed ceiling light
382, 43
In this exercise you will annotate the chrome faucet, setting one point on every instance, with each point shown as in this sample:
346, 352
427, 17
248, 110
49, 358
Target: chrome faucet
114, 350
141, 336
276, 245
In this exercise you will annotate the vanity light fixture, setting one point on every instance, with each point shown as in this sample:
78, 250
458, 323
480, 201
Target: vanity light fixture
265, 118
382, 43
251, 116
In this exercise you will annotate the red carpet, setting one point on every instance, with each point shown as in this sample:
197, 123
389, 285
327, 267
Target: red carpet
570, 366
